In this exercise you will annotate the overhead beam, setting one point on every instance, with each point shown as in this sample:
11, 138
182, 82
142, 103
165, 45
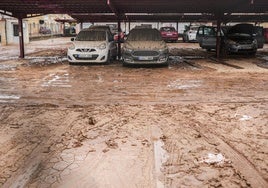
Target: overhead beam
7, 13
227, 17
34, 15
112, 7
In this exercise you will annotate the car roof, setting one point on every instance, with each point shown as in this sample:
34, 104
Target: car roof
167, 27
97, 29
144, 29
99, 26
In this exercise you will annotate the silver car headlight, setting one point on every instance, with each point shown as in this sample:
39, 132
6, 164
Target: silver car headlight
164, 50
72, 47
127, 50
102, 46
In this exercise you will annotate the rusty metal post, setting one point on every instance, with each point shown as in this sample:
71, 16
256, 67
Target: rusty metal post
21, 40
219, 17
119, 43
63, 28
218, 41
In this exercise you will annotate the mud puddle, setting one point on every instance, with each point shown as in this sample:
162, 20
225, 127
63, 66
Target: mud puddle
160, 157
43, 61
185, 84
56, 80
7, 67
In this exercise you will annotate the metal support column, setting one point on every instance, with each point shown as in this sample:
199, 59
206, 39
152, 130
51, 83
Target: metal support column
218, 41
63, 29
81, 26
119, 43
128, 26
21, 41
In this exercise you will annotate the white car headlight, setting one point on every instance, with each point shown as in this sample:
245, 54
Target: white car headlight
72, 47
102, 46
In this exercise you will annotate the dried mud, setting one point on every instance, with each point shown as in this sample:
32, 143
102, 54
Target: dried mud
195, 123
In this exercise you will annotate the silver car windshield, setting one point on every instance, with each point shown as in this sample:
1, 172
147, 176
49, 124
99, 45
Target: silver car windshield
91, 36
144, 35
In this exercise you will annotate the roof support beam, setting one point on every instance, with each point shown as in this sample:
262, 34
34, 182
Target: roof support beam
112, 7
6, 13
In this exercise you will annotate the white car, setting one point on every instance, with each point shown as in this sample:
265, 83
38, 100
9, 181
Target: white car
190, 35
92, 46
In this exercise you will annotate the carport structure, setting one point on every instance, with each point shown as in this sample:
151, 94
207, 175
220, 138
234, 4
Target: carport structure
139, 10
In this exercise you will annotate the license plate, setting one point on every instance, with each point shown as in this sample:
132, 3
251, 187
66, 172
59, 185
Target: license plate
145, 58
169, 34
246, 47
85, 55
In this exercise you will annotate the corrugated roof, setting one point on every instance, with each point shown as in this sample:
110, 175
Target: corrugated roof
133, 10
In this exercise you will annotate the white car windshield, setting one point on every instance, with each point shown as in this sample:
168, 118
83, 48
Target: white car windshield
91, 36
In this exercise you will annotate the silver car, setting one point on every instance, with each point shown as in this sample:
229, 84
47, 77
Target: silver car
206, 37
145, 46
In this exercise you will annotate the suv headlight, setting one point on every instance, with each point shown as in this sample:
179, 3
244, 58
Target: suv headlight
102, 46
72, 47
255, 41
231, 42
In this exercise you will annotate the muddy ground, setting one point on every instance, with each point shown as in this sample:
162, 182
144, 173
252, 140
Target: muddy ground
197, 123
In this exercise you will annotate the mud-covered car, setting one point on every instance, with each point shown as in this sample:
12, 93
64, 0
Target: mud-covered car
207, 35
92, 46
103, 28
241, 39
144, 46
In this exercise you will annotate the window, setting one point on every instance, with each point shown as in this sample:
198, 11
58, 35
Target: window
200, 31
209, 31
15, 30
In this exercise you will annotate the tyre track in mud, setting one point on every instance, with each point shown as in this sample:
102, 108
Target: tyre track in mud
104, 131
28, 163
241, 163
197, 131
114, 128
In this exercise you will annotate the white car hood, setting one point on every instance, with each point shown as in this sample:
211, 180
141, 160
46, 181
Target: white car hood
84, 44
145, 45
